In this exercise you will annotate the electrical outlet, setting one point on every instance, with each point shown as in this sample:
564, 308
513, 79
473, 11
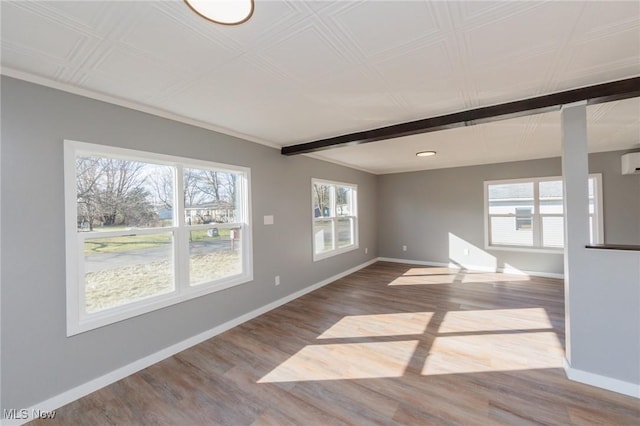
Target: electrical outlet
277, 280
366, 250
404, 248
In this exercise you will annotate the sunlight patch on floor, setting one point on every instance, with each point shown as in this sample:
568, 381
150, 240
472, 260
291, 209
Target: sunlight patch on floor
425, 276
430, 271
379, 325
493, 352
495, 320
344, 361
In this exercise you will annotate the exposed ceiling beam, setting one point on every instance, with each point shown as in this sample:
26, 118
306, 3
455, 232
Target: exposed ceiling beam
607, 92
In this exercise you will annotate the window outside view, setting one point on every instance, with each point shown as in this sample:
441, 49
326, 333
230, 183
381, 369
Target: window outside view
211, 200
334, 218
128, 228
531, 213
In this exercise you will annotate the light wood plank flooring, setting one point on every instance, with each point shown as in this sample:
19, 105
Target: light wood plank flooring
390, 344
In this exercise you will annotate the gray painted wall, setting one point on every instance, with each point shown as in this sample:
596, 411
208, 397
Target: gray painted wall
435, 212
602, 287
621, 198
38, 360
605, 315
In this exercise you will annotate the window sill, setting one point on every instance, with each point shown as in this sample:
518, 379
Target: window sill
120, 313
623, 247
526, 249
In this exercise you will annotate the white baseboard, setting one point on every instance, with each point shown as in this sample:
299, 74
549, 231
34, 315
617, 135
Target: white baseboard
78, 392
604, 382
473, 267
532, 273
413, 262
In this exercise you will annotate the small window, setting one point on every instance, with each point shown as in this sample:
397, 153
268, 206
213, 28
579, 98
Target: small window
529, 213
335, 219
524, 218
146, 231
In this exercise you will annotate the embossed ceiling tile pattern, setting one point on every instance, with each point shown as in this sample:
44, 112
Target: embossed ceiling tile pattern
254, 81
271, 21
613, 53
443, 97
493, 89
144, 74
363, 105
169, 40
516, 35
278, 128
373, 26
429, 64
315, 55
29, 27
348, 81
627, 111
31, 59
196, 102
211, 99
383, 156
324, 5
92, 17
360, 111
472, 12
614, 125
601, 17
303, 70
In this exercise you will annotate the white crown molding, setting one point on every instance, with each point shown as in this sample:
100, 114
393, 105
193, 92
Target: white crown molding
87, 93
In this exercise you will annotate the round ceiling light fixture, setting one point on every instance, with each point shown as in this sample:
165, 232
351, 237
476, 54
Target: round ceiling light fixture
225, 12
425, 154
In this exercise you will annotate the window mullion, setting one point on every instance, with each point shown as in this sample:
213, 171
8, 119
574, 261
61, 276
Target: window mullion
81, 289
334, 220
489, 230
537, 222
181, 249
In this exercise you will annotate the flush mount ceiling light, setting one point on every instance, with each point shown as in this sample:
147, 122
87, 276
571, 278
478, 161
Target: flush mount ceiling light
225, 12
425, 154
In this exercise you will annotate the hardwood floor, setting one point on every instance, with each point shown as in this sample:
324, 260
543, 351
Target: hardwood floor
390, 344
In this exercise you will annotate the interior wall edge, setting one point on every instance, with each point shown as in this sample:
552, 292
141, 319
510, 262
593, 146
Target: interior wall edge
603, 382
475, 268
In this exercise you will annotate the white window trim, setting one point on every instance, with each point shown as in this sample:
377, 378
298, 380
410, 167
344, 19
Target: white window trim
336, 251
598, 213
77, 320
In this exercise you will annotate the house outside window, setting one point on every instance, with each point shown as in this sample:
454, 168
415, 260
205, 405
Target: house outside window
145, 231
335, 218
528, 214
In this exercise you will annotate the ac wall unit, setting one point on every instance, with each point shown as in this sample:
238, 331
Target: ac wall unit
631, 163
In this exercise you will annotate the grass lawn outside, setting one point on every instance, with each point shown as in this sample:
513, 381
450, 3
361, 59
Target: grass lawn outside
118, 286
140, 242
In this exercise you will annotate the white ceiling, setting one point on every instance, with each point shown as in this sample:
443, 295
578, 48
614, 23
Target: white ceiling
305, 70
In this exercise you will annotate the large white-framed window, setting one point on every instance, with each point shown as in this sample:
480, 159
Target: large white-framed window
335, 218
146, 230
528, 214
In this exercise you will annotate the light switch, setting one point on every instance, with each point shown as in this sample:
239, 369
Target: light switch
268, 220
